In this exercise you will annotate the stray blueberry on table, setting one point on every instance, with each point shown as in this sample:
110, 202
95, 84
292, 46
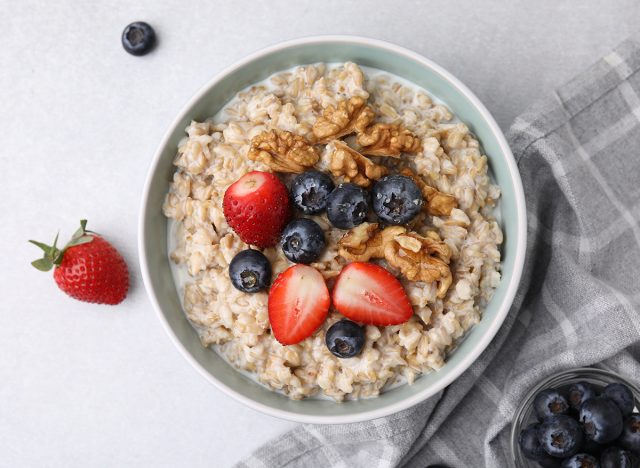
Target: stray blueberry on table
302, 241
529, 442
345, 339
250, 271
581, 460
549, 403
310, 190
630, 438
579, 393
601, 419
347, 206
396, 199
615, 457
138, 38
560, 436
621, 395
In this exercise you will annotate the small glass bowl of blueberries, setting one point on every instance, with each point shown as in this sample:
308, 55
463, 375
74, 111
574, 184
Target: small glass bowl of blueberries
579, 418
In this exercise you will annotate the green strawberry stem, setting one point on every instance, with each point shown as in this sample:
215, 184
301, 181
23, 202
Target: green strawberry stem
53, 255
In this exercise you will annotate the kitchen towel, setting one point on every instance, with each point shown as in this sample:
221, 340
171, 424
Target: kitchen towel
578, 304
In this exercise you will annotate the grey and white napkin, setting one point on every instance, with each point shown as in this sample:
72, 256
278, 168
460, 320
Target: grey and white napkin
579, 302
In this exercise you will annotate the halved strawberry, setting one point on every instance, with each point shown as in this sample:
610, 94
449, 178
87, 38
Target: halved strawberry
367, 293
298, 304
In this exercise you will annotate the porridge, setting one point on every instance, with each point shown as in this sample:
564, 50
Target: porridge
371, 136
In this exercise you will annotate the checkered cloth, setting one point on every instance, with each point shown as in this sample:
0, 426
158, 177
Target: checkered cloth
578, 304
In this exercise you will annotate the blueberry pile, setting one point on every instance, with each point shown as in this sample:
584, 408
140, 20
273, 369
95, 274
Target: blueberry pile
582, 426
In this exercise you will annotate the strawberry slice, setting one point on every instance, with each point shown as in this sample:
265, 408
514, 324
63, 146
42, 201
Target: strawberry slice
367, 293
298, 304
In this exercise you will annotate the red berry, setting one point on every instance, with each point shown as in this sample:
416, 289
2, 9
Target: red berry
256, 206
88, 268
298, 304
367, 293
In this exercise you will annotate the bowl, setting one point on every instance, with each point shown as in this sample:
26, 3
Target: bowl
152, 241
525, 415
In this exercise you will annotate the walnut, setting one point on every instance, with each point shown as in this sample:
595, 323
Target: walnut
418, 258
354, 167
388, 140
438, 203
283, 151
352, 115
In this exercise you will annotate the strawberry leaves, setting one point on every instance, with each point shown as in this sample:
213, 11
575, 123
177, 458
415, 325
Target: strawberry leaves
52, 255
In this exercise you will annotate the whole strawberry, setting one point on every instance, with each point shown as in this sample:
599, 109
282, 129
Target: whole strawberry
257, 208
88, 268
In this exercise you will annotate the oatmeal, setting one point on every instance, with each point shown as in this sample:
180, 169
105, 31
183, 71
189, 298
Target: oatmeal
355, 126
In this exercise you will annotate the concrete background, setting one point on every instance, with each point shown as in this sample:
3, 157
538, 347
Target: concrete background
85, 386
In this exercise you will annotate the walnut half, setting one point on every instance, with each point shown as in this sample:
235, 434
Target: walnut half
351, 115
354, 167
418, 258
388, 140
438, 203
283, 151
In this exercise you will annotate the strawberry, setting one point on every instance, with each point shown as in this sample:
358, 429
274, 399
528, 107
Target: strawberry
367, 293
257, 208
298, 304
88, 268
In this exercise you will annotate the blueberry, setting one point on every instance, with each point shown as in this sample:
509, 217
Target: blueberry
601, 419
345, 338
310, 190
396, 199
581, 460
347, 206
549, 403
138, 38
621, 395
615, 457
592, 448
529, 442
302, 241
250, 271
560, 436
630, 438
579, 393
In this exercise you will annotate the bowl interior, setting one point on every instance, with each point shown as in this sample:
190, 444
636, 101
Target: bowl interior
153, 242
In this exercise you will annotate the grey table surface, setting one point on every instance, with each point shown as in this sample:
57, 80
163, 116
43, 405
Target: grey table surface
84, 385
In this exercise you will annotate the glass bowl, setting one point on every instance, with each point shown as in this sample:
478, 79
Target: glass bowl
525, 414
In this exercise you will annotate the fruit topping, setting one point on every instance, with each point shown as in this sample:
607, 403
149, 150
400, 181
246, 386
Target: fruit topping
630, 438
310, 191
581, 460
396, 199
621, 395
298, 304
302, 241
579, 393
347, 206
367, 293
561, 436
345, 339
548, 403
250, 271
256, 206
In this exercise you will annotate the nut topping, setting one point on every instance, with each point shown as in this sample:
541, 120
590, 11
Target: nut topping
418, 258
438, 203
354, 167
352, 115
388, 140
283, 151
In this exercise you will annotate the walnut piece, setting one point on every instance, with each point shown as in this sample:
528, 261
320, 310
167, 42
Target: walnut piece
283, 151
388, 140
352, 115
438, 203
418, 258
354, 167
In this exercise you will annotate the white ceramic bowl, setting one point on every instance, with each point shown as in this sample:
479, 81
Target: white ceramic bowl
377, 54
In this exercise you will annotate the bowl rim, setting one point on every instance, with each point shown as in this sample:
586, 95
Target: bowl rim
503, 308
